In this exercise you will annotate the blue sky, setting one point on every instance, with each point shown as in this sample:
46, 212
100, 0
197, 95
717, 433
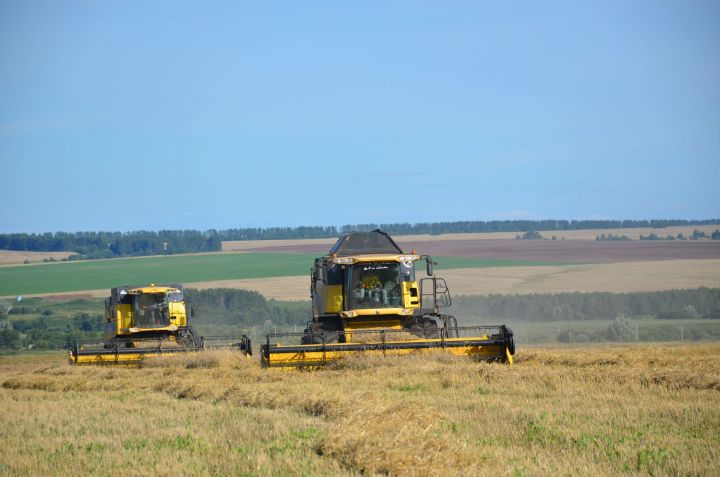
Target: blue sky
172, 115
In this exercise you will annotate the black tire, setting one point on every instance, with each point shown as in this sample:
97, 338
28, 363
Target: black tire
431, 330
115, 344
316, 332
425, 328
310, 338
187, 338
510, 342
416, 329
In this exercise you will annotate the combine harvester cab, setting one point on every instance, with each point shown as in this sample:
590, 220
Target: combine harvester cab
365, 298
150, 320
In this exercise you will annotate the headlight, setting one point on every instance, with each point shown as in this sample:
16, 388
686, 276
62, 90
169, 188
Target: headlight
344, 261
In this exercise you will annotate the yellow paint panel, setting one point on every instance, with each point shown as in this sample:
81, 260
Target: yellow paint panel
372, 324
319, 358
333, 298
177, 309
126, 359
409, 289
153, 289
371, 312
365, 326
124, 317
382, 257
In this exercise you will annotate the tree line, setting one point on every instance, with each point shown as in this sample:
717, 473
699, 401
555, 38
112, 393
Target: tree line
138, 243
43, 324
623, 328
114, 244
696, 235
47, 333
670, 305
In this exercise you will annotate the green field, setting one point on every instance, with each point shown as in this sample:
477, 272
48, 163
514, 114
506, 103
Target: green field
97, 274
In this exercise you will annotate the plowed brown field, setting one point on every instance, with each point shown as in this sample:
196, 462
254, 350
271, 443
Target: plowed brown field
569, 251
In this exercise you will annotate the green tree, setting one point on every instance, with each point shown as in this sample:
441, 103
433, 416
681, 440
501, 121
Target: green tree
697, 234
9, 338
690, 312
621, 329
530, 235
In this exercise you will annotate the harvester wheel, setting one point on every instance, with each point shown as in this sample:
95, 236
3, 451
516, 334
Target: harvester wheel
195, 340
310, 338
315, 332
189, 338
431, 330
425, 328
115, 344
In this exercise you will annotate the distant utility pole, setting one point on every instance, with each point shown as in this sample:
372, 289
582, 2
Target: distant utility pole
682, 335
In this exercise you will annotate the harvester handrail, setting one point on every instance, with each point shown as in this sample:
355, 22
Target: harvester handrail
496, 329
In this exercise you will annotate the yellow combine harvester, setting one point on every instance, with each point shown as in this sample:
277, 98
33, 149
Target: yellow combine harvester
147, 320
366, 298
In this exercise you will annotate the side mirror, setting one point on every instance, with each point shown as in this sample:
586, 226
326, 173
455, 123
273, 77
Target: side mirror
429, 262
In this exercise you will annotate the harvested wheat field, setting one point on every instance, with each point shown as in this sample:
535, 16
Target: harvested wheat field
12, 257
606, 277
649, 410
